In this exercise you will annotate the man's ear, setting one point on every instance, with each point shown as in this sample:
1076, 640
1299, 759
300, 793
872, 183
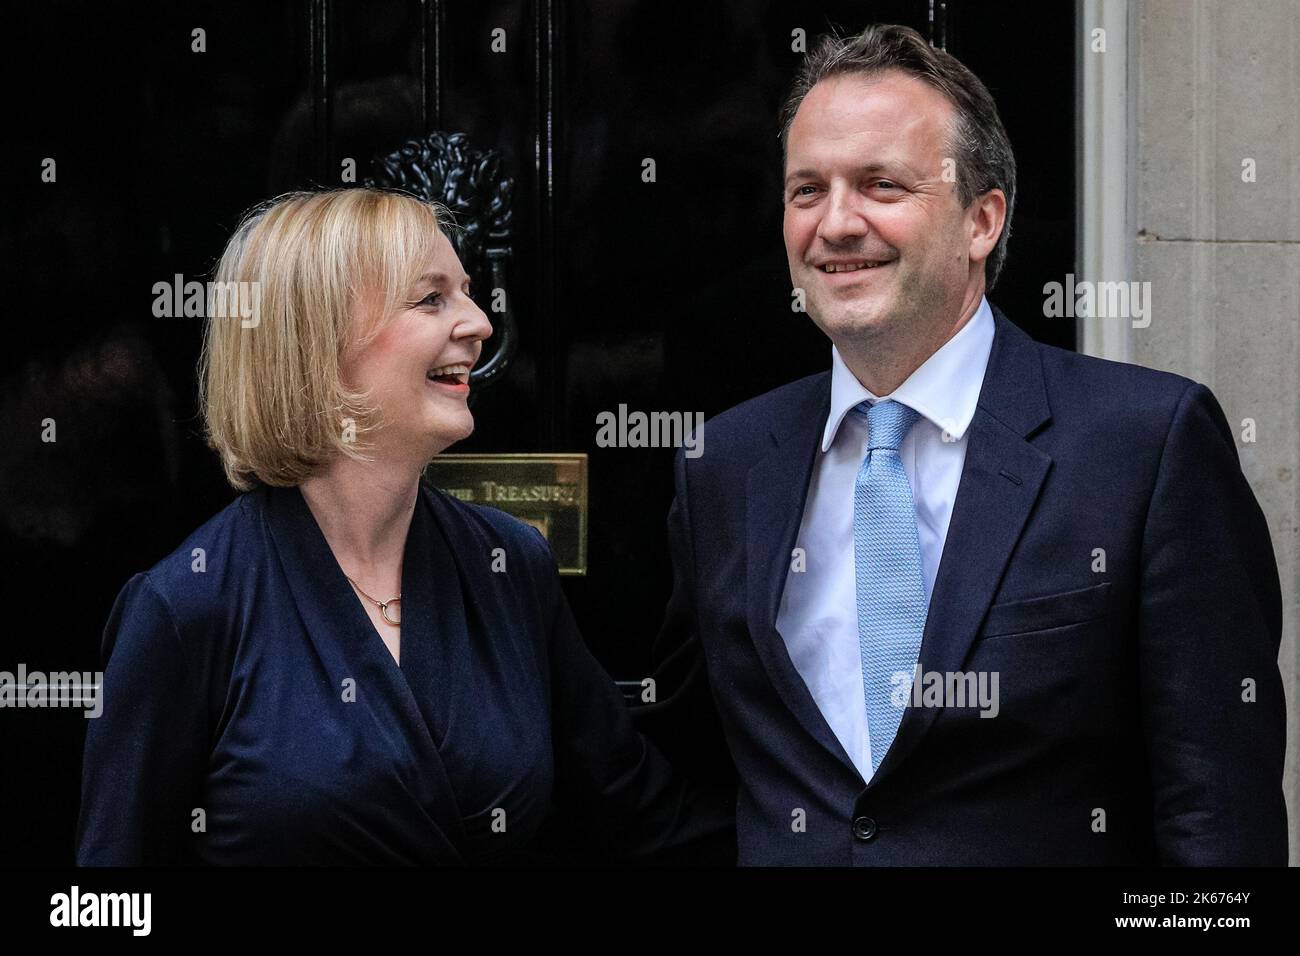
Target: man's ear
986, 216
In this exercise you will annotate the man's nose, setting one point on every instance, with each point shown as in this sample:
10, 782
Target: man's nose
844, 217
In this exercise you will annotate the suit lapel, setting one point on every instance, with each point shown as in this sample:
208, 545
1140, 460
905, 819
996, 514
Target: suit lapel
775, 491
1000, 482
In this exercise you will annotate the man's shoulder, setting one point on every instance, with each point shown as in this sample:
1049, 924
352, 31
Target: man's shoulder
1079, 370
1084, 386
1067, 371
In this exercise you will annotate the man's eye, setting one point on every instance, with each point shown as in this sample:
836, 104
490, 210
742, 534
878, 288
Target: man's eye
883, 182
805, 190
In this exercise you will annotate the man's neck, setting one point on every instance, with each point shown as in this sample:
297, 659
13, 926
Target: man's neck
886, 362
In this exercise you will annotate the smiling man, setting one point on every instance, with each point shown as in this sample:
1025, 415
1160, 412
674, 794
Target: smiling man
955, 511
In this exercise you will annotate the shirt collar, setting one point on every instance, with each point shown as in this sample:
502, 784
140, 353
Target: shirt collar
944, 389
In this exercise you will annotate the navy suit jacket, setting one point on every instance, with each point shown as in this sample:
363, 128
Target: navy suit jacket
252, 714
1141, 710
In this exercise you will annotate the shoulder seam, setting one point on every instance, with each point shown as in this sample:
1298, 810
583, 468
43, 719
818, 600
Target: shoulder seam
171, 619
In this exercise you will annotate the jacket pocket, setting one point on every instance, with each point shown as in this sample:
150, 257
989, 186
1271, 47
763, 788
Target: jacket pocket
1046, 612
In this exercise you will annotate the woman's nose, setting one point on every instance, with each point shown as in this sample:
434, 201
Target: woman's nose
477, 326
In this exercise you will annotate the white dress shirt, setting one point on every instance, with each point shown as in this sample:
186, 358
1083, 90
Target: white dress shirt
818, 619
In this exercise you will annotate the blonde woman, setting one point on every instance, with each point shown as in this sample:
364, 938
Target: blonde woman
329, 671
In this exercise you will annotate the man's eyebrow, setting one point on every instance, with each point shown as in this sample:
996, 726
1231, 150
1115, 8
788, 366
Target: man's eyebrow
867, 168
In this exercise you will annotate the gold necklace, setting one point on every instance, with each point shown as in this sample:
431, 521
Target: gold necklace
382, 605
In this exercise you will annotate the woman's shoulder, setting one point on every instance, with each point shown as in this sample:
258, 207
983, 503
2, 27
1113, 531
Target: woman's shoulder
181, 615
212, 563
490, 526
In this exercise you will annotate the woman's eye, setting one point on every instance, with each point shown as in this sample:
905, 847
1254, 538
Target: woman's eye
432, 299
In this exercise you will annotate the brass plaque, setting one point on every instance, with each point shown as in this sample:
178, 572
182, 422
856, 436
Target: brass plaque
547, 491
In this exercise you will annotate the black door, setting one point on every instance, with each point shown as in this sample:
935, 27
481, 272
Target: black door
165, 121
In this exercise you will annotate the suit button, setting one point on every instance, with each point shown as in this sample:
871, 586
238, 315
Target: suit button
864, 828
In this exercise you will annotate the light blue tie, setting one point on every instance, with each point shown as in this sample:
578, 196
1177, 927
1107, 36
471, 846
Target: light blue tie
887, 560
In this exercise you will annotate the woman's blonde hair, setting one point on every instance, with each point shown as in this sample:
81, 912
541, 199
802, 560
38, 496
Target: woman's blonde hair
324, 271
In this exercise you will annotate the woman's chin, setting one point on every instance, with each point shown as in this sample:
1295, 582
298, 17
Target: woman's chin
450, 429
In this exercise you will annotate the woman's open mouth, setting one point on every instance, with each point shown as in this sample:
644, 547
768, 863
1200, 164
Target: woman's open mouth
454, 378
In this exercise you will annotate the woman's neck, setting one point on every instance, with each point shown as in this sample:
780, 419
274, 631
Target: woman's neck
364, 510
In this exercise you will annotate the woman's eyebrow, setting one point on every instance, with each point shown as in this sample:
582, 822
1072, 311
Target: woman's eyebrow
436, 278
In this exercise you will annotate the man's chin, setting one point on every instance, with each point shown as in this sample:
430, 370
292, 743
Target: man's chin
839, 323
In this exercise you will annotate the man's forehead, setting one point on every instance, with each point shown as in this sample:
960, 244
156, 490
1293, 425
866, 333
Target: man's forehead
888, 103
890, 115
892, 82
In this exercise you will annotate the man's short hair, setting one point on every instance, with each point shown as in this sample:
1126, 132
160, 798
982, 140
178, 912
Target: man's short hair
976, 138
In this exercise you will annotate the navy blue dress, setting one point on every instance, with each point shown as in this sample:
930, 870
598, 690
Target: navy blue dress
252, 714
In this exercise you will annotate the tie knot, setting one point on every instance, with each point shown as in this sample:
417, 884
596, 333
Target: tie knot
888, 423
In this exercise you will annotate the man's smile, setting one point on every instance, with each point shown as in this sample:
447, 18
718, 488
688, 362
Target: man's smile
841, 273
